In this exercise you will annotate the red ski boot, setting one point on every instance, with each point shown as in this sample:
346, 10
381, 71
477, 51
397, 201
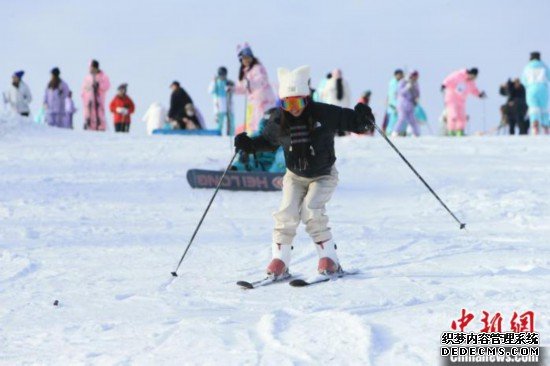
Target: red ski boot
328, 259
278, 267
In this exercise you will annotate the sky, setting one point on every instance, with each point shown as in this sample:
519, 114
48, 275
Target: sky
151, 43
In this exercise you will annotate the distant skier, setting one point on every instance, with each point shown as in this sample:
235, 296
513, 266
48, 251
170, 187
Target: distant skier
535, 78
155, 117
391, 101
254, 83
54, 100
180, 104
122, 107
337, 92
456, 87
407, 99
306, 133
220, 88
70, 110
18, 96
515, 109
94, 90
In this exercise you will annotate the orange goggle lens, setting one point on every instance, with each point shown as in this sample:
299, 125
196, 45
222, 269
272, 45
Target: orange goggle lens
293, 103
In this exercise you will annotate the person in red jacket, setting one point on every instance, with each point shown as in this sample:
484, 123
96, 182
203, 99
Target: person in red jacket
122, 107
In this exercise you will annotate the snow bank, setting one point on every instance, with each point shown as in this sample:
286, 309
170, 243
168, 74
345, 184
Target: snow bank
98, 221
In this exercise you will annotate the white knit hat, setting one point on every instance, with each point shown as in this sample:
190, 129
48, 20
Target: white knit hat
293, 83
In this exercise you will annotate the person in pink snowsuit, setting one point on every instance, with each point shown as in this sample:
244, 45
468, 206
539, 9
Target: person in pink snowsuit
456, 87
254, 83
94, 90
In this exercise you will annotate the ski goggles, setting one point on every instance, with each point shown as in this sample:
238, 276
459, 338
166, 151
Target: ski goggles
293, 103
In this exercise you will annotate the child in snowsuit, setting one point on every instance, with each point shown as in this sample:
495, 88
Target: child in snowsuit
94, 90
254, 83
70, 110
223, 104
306, 132
535, 78
265, 161
457, 86
122, 107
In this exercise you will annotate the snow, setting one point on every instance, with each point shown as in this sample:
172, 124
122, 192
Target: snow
98, 221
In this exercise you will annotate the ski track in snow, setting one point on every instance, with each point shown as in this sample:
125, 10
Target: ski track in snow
98, 222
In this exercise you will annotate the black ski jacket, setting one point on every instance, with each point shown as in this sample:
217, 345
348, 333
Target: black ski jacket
328, 119
178, 101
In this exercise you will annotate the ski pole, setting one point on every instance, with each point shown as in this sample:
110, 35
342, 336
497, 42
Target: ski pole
175, 274
462, 225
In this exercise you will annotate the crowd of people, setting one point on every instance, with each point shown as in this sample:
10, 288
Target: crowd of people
526, 106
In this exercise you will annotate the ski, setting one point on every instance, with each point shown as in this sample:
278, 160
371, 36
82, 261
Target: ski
320, 279
264, 282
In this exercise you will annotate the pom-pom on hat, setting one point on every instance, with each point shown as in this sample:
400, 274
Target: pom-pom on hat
244, 50
293, 83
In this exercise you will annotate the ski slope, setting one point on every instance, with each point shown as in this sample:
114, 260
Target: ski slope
97, 221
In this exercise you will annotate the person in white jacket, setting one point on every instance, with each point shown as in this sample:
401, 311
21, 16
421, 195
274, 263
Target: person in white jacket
18, 96
155, 117
337, 92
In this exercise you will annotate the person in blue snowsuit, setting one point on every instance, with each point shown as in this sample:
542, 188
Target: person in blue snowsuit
392, 101
223, 105
535, 78
272, 162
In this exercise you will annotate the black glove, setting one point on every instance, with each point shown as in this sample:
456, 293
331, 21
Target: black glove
244, 143
443, 88
482, 95
365, 118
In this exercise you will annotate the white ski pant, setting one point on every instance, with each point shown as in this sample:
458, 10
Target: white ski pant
304, 199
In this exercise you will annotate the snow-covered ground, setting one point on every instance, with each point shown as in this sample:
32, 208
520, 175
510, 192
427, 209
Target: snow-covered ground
98, 221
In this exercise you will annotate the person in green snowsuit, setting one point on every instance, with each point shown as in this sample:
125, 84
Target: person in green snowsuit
272, 162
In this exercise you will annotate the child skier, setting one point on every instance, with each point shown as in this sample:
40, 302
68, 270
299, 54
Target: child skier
306, 133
